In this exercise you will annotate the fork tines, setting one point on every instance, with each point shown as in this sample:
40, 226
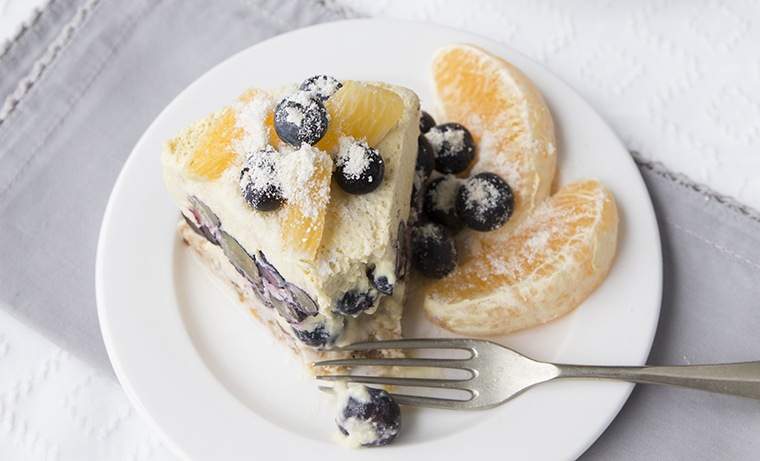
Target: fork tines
406, 344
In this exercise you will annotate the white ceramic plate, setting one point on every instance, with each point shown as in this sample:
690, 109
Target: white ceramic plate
216, 385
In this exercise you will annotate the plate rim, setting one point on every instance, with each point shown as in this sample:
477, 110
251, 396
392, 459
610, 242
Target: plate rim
494, 46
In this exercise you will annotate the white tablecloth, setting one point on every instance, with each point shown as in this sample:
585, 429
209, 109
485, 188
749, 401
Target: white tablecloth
676, 80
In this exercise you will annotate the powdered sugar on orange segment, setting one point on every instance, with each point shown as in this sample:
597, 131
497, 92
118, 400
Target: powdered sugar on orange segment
544, 269
305, 175
553, 251
508, 119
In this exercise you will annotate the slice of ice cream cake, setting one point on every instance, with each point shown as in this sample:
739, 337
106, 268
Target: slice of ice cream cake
299, 197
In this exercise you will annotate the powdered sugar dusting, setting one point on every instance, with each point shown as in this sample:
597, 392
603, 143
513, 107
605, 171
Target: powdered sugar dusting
294, 115
429, 231
445, 193
297, 172
481, 196
261, 169
303, 98
454, 138
549, 226
250, 118
322, 86
352, 157
539, 241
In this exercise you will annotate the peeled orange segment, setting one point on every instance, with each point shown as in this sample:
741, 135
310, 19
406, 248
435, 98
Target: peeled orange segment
552, 261
362, 111
214, 152
305, 175
507, 117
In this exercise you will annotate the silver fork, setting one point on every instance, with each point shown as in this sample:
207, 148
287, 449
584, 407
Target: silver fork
498, 374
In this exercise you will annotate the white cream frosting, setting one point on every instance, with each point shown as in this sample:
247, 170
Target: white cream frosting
360, 230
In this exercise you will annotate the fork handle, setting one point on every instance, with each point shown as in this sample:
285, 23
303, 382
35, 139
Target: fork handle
742, 379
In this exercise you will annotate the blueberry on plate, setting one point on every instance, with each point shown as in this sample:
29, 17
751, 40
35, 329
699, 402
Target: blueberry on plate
259, 182
439, 201
453, 147
426, 122
354, 302
359, 169
319, 331
485, 202
367, 416
321, 86
433, 251
300, 118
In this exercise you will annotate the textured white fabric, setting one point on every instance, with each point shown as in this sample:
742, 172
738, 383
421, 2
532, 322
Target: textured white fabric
677, 80
54, 407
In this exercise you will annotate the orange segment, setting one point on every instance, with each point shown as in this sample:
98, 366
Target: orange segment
306, 176
561, 231
514, 133
362, 111
274, 140
553, 251
214, 153
506, 115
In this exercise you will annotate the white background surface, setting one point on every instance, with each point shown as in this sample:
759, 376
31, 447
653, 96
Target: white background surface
677, 80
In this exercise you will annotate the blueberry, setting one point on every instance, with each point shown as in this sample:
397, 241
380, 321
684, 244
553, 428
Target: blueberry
403, 249
425, 157
439, 201
426, 122
200, 230
354, 302
300, 118
291, 302
321, 86
453, 147
422, 171
485, 202
207, 223
269, 272
259, 182
433, 251
378, 281
317, 333
299, 302
368, 416
359, 168
244, 263
317, 337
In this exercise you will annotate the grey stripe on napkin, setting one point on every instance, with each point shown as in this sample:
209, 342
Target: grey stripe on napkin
68, 132
18, 55
710, 313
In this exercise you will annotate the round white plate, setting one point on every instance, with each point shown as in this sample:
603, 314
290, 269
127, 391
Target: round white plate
216, 385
